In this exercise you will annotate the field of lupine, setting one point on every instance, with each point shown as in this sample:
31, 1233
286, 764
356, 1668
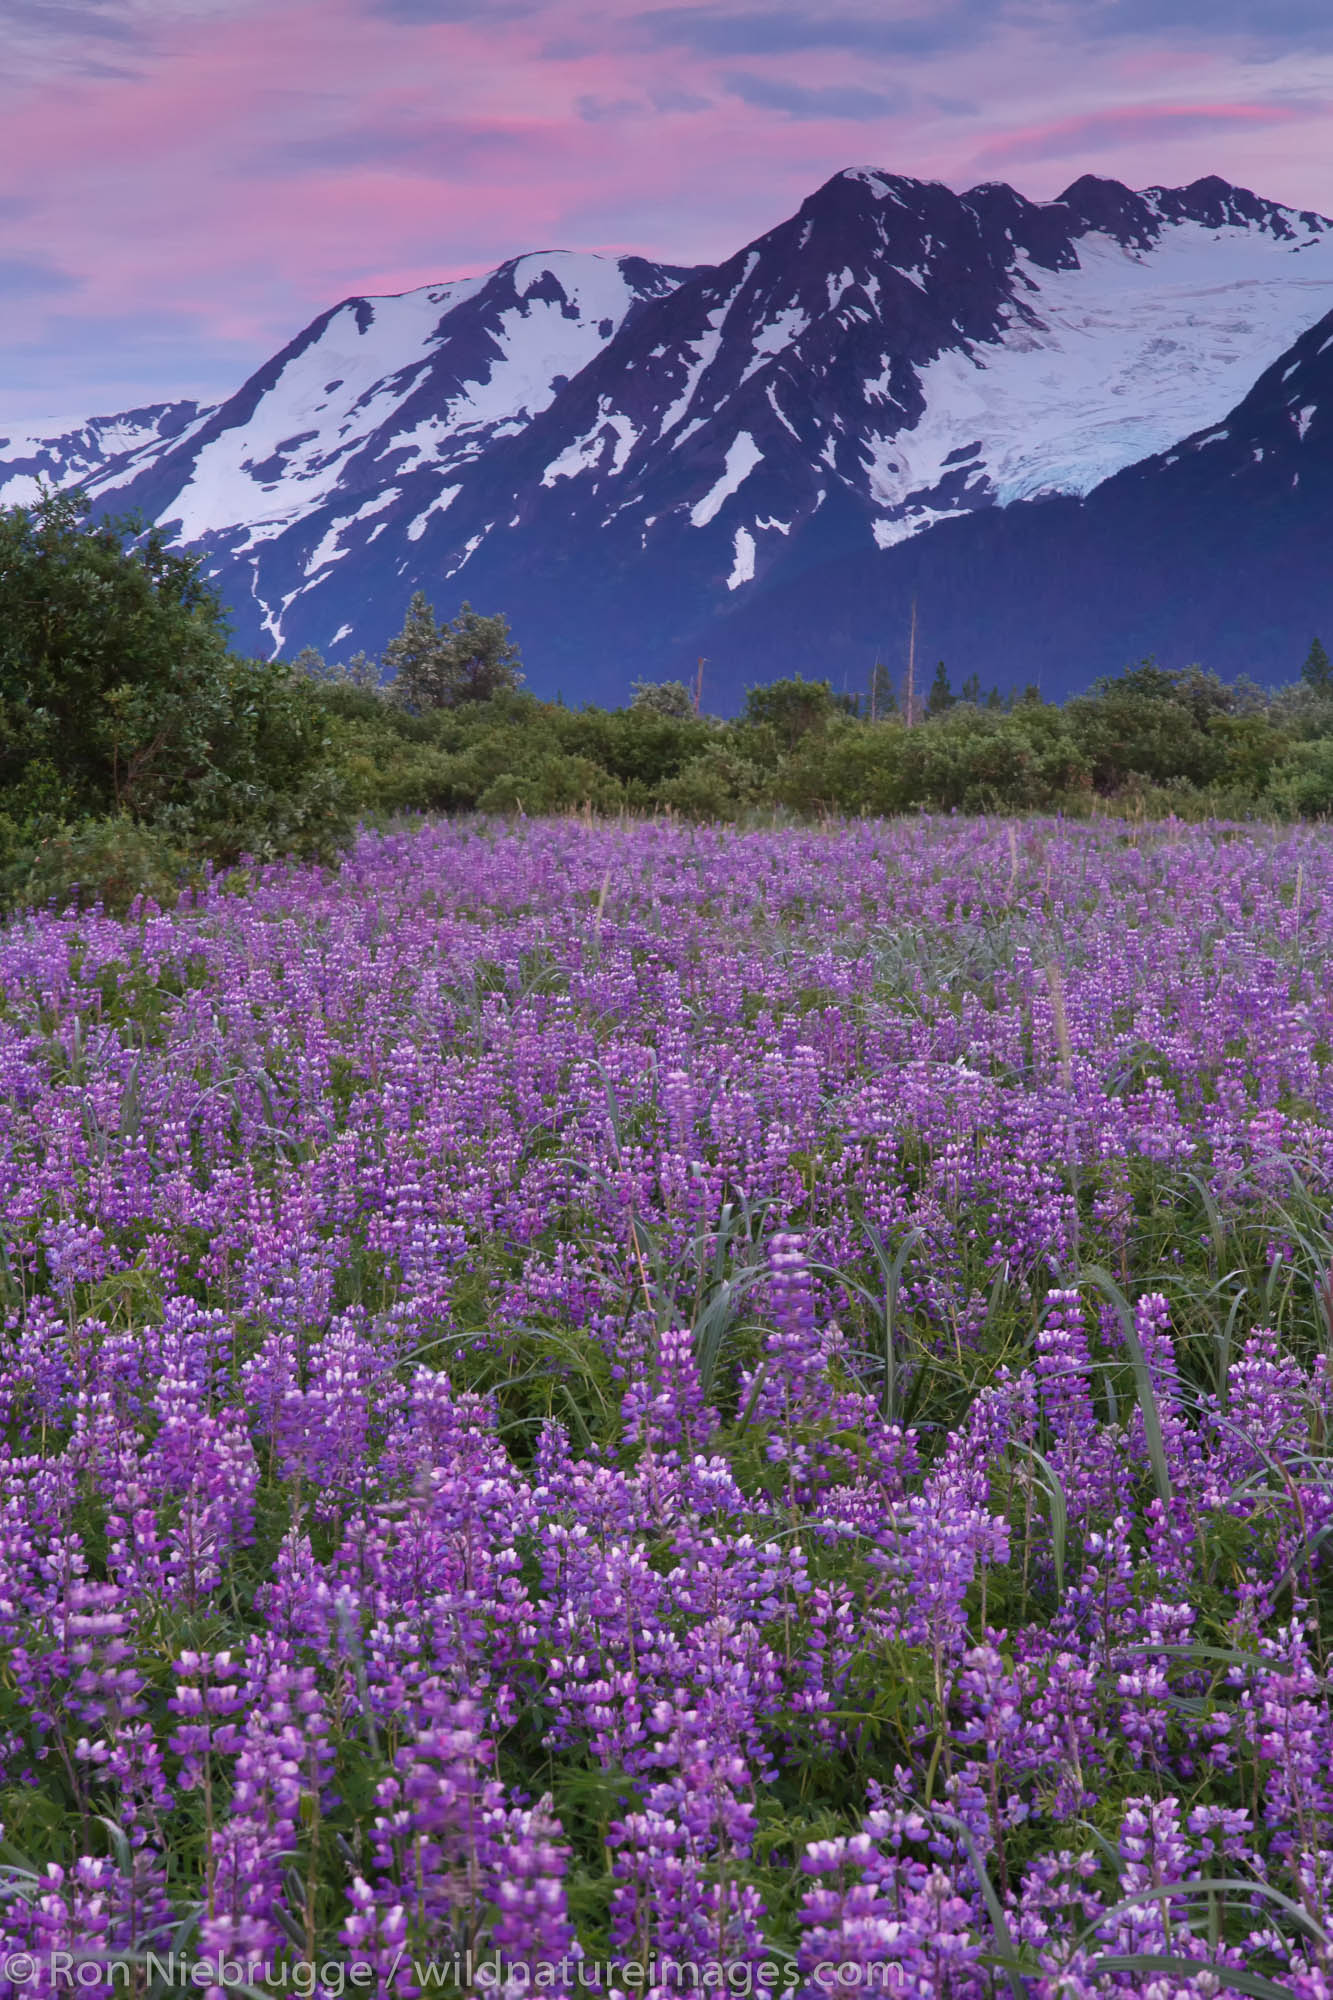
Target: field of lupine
675, 1408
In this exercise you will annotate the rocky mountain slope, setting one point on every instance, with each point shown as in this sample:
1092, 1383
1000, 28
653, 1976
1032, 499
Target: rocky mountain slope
899, 391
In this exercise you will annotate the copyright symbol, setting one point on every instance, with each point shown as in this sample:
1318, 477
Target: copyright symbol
20, 1967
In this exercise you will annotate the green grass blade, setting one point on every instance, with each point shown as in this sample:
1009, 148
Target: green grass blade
994, 1908
1207, 1885
1053, 1487
1093, 1274
1190, 1968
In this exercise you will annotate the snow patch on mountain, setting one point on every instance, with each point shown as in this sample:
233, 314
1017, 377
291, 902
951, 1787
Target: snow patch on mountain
443, 499
326, 550
588, 453
775, 337
1114, 361
84, 452
742, 569
743, 455
470, 549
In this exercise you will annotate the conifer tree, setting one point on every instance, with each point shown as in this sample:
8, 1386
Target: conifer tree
883, 696
361, 672
669, 698
443, 666
1318, 670
941, 695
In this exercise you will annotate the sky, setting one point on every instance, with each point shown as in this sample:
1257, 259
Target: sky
185, 184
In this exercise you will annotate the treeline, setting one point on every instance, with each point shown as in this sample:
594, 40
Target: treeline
1148, 742
137, 750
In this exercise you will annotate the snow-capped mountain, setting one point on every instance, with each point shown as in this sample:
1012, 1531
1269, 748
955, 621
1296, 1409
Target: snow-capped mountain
1215, 551
366, 418
104, 447
933, 352
640, 464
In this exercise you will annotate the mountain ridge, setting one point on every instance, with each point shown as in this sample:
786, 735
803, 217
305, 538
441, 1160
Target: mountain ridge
633, 460
1224, 539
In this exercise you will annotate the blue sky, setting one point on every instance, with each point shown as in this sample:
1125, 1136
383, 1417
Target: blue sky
184, 183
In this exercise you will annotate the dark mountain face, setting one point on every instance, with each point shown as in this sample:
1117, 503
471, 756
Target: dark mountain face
716, 482
897, 389
362, 425
1214, 552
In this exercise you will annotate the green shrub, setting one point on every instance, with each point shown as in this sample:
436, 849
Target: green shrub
978, 760
119, 699
272, 780
1252, 748
106, 861
858, 768
551, 783
720, 783
638, 746
1154, 724
966, 759
1301, 786
794, 707
107, 654
388, 776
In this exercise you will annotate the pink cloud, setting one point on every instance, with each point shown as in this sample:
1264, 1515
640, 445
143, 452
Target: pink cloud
254, 161
1131, 125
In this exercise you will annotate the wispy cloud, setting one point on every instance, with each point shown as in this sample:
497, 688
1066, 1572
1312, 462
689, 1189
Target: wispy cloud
1104, 131
415, 144
102, 20
713, 31
678, 100
213, 173
33, 278
829, 100
1271, 24
602, 110
416, 13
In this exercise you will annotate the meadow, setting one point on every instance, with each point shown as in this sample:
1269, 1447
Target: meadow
675, 1408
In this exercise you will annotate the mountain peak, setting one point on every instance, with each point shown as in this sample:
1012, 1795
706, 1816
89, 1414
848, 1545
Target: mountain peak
1212, 187
1112, 209
1136, 218
884, 184
666, 443
1217, 204
871, 177
1095, 187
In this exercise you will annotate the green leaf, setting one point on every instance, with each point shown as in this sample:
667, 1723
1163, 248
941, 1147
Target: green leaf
1190, 1968
1093, 1274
